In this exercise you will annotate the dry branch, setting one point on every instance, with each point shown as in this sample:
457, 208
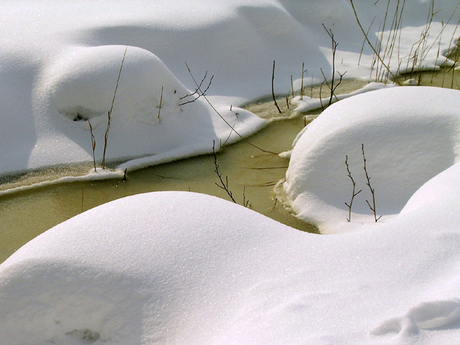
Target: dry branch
368, 183
353, 193
273, 88
109, 114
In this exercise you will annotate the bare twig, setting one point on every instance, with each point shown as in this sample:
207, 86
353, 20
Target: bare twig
161, 103
93, 144
372, 46
353, 193
273, 88
334, 45
109, 114
223, 119
368, 183
301, 82
222, 184
245, 201
199, 92
332, 88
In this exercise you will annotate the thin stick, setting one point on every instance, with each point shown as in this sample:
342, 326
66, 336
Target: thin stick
368, 183
161, 102
222, 185
371, 45
353, 193
109, 114
273, 88
223, 119
301, 83
334, 45
93, 144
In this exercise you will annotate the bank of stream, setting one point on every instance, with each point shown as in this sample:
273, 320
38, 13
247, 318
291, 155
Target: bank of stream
251, 174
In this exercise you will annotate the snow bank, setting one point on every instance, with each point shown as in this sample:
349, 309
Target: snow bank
153, 113
410, 134
59, 61
185, 268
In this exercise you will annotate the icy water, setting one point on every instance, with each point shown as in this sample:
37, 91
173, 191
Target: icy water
449, 79
251, 173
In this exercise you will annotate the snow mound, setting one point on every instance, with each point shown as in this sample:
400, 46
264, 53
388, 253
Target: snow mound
81, 83
186, 268
408, 136
153, 267
153, 113
59, 61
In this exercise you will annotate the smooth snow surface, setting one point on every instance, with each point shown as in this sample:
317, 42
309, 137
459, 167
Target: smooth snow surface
185, 268
409, 134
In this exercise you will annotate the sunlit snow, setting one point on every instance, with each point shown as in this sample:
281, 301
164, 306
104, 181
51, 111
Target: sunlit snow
186, 268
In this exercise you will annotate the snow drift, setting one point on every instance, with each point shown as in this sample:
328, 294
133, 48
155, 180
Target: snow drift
185, 268
63, 58
409, 135
153, 113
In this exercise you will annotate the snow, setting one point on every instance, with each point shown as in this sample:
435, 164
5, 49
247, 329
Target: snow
60, 59
80, 85
410, 134
186, 268
152, 267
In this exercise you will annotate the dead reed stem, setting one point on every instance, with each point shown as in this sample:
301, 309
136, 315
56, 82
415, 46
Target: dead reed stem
109, 114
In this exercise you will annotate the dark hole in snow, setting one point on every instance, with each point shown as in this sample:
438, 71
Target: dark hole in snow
80, 117
79, 113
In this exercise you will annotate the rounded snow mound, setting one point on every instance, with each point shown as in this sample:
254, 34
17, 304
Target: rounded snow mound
83, 81
151, 112
403, 136
140, 270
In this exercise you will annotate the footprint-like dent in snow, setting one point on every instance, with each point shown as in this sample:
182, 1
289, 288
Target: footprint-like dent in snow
433, 315
85, 336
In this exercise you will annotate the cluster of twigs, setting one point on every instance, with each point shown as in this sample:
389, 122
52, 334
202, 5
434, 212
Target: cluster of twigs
386, 48
109, 119
232, 128
333, 85
354, 193
199, 92
374, 49
332, 82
